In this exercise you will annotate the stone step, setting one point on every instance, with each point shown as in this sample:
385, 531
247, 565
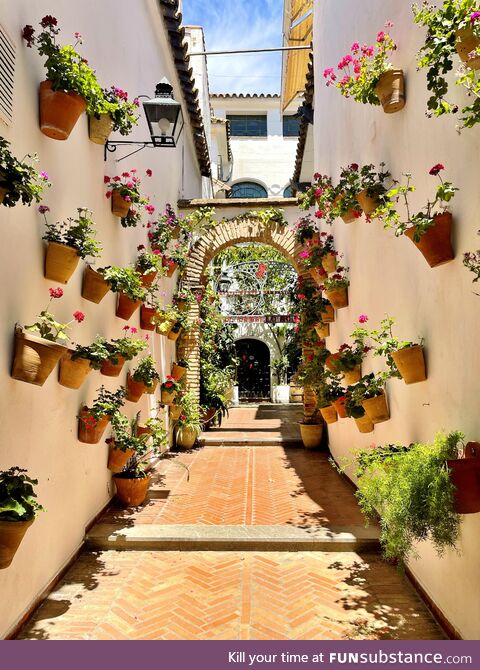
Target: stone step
206, 440
153, 537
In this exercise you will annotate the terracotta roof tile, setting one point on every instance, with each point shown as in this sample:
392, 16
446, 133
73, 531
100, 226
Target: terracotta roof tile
302, 137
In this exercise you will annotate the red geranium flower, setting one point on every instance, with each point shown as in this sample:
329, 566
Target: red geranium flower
56, 292
436, 169
79, 316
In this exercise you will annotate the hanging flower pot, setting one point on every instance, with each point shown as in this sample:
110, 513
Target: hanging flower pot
465, 476
117, 459
317, 275
170, 266
120, 207
340, 407
328, 314
390, 90
350, 215
144, 430
329, 414
174, 411
11, 535
72, 374
174, 333
467, 42
331, 360
368, 205
147, 279
410, 363
100, 129
131, 491
126, 307
59, 111
377, 408
436, 243
311, 435
94, 287
168, 397
322, 330
338, 298
182, 305
186, 437
34, 358
135, 390
60, 262
110, 368
90, 431
329, 262
365, 424
178, 371
3, 193
353, 376
146, 316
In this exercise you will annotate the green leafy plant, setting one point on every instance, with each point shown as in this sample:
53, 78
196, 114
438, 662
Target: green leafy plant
350, 356
370, 386
20, 179
146, 372
322, 193
77, 233
336, 281
305, 228
124, 280
373, 182
471, 260
107, 403
48, 327
127, 347
190, 417
148, 262
346, 192
17, 496
119, 108
97, 352
128, 187
313, 256
171, 385
280, 369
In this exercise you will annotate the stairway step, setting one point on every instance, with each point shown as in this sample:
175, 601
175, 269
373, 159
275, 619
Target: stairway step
153, 537
211, 441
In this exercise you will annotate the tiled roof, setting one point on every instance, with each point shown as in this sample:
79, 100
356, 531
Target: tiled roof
302, 137
176, 35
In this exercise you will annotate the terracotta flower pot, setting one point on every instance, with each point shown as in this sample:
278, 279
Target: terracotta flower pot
311, 434
182, 305
91, 434
131, 492
186, 437
328, 314
317, 275
350, 215
178, 371
60, 262
329, 414
126, 307
174, 412
322, 330
465, 476
3, 193
72, 374
338, 298
329, 262
390, 90
377, 408
147, 279
331, 362
111, 369
174, 334
120, 207
167, 397
59, 111
340, 407
368, 205
365, 424
353, 376
146, 316
117, 459
135, 390
170, 267
144, 430
99, 130
35, 358
94, 287
410, 363
207, 417
11, 535
436, 243
466, 43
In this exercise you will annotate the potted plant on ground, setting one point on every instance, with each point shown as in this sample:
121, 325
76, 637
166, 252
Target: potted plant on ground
170, 388
127, 283
127, 202
179, 369
19, 181
366, 75
189, 424
281, 391
71, 86
148, 265
67, 242
373, 191
370, 393
345, 204
336, 288
18, 509
114, 112
35, 357
121, 350
93, 420
79, 362
311, 430
431, 228
144, 379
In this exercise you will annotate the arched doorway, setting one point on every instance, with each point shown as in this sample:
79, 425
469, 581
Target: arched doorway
253, 372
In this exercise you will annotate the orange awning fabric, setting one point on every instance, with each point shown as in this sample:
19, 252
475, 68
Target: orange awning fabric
300, 33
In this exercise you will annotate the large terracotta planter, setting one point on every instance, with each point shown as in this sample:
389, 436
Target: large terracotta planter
465, 476
118, 459
368, 204
329, 262
178, 371
100, 129
338, 298
11, 535
340, 407
365, 424
59, 111
126, 307
466, 43
3, 193
111, 369
322, 330
167, 397
34, 358
131, 492
72, 374
91, 435
329, 414
135, 390
353, 376
377, 408
410, 363
436, 243
120, 207
146, 316
390, 90
311, 434
94, 287
60, 262
186, 437
328, 314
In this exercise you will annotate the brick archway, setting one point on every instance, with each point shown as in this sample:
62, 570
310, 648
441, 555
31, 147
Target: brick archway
225, 234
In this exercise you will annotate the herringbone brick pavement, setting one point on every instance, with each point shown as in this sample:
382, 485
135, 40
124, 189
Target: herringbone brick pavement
231, 595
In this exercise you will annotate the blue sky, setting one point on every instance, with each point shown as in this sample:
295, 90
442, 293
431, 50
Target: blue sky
240, 24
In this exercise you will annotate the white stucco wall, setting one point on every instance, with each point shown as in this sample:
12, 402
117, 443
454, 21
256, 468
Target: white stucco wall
388, 275
39, 426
